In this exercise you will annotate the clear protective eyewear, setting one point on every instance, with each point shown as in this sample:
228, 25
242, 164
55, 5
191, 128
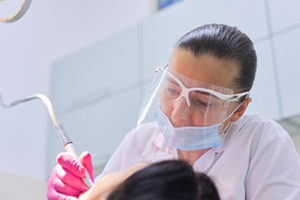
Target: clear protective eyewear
176, 89
208, 103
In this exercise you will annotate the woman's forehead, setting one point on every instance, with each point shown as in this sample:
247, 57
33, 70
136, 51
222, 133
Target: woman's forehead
205, 68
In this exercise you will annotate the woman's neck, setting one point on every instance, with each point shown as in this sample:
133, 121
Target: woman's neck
191, 156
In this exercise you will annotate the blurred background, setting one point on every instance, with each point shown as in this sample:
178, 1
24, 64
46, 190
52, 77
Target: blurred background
95, 58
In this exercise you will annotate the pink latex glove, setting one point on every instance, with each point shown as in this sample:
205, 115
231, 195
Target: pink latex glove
65, 182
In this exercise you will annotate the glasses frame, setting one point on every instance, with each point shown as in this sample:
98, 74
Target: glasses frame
226, 97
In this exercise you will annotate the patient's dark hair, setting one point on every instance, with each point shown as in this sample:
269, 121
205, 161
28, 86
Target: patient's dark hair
166, 180
223, 41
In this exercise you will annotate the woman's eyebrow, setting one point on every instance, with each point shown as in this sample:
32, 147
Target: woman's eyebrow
205, 93
173, 81
197, 91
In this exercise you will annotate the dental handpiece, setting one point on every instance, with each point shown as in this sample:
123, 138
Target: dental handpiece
66, 140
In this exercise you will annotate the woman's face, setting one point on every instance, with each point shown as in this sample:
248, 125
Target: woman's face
204, 68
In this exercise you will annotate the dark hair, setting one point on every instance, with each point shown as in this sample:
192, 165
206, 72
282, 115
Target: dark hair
223, 41
166, 180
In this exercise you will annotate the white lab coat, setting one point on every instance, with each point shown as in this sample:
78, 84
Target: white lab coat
256, 161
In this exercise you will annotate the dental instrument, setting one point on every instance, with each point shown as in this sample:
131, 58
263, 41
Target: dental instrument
66, 140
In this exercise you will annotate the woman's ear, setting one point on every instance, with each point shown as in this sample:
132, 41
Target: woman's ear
241, 110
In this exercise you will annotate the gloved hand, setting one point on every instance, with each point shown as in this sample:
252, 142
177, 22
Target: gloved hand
65, 182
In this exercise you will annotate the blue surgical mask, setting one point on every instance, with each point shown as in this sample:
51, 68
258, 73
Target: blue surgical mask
188, 138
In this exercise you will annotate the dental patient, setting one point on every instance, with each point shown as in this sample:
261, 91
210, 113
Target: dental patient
166, 180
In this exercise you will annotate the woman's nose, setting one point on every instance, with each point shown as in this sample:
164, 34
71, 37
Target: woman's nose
181, 114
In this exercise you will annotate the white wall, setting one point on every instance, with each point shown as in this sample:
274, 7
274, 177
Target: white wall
15, 187
49, 31
296, 140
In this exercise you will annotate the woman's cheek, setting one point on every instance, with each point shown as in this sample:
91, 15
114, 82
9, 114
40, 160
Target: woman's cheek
166, 107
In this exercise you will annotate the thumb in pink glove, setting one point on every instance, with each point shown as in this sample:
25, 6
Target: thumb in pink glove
65, 182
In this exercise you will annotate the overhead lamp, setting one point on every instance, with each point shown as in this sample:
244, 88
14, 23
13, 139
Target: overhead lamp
14, 9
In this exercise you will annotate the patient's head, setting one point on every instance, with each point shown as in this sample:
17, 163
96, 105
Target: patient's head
166, 180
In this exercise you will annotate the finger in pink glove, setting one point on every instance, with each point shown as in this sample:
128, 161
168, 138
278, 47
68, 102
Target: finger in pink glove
65, 181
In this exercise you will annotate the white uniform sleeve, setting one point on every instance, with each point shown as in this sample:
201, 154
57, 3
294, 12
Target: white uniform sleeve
274, 169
